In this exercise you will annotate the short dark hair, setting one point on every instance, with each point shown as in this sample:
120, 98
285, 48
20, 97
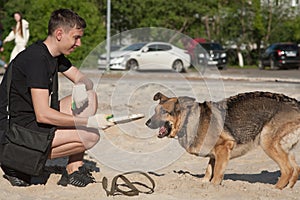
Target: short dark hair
65, 18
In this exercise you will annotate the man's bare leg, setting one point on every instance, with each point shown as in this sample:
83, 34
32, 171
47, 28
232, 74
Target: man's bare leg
74, 142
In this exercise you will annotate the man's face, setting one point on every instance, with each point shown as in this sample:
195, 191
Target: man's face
70, 40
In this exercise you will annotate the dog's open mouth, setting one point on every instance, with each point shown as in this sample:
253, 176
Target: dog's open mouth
165, 130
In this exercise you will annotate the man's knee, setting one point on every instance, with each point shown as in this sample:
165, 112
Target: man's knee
91, 140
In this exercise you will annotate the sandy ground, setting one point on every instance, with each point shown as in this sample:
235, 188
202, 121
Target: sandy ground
132, 146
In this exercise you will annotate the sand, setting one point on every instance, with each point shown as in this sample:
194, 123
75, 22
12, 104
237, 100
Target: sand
132, 146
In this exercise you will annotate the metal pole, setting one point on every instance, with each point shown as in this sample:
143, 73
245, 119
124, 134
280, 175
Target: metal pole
108, 35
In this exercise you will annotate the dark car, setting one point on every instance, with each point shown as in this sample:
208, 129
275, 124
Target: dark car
211, 54
279, 56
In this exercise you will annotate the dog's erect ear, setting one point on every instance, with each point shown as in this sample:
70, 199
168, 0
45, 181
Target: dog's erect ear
186, 101
183, 103
160, 96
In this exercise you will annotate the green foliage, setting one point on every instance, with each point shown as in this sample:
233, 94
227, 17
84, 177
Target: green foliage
37, 13
296, 26
258, 28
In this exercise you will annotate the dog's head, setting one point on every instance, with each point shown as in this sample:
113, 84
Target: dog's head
167, 114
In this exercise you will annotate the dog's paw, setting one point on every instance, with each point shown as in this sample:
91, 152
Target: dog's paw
204, 180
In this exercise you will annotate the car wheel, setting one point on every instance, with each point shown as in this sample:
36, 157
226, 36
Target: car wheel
132, 65
178, 66
222, 67
273, 64
260, 65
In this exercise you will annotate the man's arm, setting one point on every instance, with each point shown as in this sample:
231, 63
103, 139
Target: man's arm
82, 84
45, 114
78, 77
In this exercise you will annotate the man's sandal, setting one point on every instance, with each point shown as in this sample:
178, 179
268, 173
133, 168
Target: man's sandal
80, 178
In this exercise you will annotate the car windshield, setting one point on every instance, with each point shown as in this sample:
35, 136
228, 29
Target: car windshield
211, 46
288, 47
134, 47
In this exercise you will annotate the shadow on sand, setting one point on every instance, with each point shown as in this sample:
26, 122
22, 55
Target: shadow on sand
263, 177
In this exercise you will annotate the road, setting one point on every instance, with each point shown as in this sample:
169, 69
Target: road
212, 84
230, 81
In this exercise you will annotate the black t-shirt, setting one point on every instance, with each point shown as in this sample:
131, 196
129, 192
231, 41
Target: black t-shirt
32, 68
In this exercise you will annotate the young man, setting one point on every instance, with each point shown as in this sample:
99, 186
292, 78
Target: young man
32, 74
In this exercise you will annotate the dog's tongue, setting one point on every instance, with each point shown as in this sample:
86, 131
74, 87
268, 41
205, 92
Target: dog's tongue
162, 132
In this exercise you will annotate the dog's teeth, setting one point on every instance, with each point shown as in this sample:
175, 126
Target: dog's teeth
162, 130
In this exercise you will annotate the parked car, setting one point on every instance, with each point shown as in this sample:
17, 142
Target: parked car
280, 55
115, 47
211, 54
147, 55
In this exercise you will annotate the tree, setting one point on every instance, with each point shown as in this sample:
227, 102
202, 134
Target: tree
241, 22
281, 21
296, 25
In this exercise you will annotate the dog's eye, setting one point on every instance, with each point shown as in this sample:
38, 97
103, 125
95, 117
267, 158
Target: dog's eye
164, 112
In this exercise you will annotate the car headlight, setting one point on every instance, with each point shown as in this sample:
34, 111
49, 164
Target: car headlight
201, 55
223, 55
118, 59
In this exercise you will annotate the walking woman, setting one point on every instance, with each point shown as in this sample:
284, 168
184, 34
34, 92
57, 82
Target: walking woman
20, 34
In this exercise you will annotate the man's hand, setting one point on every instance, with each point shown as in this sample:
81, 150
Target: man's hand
99, 121
79, 96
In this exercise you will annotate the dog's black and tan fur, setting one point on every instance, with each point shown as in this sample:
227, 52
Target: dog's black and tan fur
230, 128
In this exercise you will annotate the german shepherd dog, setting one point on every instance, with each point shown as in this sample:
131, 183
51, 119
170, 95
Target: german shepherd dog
230, 128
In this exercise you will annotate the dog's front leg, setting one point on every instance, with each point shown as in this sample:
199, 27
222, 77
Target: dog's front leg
222, 156
209, 171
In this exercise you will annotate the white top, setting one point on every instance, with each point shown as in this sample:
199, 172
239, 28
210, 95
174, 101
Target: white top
17, 36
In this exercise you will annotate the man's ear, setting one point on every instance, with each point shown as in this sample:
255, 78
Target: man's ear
58, 33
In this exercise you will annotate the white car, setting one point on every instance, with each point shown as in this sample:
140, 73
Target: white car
147, 55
